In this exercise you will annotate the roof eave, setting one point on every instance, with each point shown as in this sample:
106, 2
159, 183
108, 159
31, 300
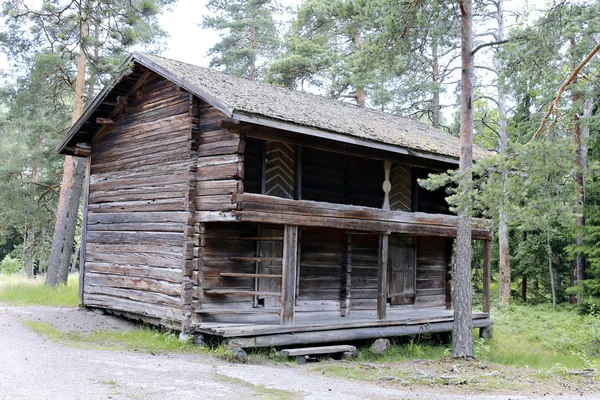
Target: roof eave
339, 137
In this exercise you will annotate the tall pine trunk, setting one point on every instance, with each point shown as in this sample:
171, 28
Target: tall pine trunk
52, 277
72, 217
360, 90
462, 332
503, 244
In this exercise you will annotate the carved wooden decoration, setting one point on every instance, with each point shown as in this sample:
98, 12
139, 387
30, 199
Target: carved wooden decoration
387, 185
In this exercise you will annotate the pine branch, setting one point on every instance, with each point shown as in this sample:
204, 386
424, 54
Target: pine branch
554, 104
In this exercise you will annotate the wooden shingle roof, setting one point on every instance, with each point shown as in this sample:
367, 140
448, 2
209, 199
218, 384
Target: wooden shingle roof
262, 103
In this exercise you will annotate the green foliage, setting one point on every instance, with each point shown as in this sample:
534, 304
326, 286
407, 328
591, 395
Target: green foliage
18, 290
249, 37
10, 265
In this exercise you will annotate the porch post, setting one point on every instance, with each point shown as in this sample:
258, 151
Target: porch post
289, 269
487, 272
382, 275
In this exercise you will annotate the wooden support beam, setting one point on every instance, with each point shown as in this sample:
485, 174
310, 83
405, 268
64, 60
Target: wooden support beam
487, 274
382, 276
123, 101
104, 121
83, 243
346, 275
288, 271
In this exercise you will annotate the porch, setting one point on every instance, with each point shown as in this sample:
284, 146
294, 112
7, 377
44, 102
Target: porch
329, 327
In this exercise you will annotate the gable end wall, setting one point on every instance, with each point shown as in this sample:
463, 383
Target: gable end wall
141, 205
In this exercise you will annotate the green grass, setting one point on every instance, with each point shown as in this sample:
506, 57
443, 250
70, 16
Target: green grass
17, 290
532, 345
262, 392
537, 337
142, 339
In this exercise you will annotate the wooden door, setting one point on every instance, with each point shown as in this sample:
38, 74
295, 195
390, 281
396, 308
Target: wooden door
402, 271
270, 249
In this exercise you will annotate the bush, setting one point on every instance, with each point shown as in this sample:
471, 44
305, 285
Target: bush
10, 265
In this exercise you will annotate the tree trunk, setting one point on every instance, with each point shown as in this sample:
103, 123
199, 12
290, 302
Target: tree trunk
42, 250
462, 333
435, 73
504, 250
52, 277
524, 289
31, 231
73, 216
30, 252
75, 258
253, 47
579, 264
360, 90
549, 250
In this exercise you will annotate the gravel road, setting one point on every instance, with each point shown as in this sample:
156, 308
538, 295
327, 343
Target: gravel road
32, 367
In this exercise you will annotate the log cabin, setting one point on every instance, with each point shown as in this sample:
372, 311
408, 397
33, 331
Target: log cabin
263, 216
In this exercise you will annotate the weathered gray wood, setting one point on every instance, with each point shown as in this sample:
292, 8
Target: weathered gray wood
382, 279
487, 273
236, 274
346, 280
289, 273
84, 225
236, 292
337, 335
306, 351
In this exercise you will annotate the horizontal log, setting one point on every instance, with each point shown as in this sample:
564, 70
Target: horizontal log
163, 205
138, 271
219, 187
338, 335
236, 292
358, 224
174, 251
152, 260
152, 238
136, 307
139, 217
137, 295
143, 226
147, 284
241, 275
258, 202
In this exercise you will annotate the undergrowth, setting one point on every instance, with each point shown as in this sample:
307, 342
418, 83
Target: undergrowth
17, 290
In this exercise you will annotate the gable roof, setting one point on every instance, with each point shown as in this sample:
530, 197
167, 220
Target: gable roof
271, 105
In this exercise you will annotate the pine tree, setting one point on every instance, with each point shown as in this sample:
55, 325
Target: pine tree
249, 37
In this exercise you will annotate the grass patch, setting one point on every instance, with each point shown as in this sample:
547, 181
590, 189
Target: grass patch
533, 349
17, 290
540, 338
263, 393
142, 339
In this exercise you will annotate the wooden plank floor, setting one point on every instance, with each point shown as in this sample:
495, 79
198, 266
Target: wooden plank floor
314, 322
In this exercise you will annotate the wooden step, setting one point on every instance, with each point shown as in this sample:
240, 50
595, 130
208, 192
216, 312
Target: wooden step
237, 311
266, 259
307, 351
241, 275
236, 292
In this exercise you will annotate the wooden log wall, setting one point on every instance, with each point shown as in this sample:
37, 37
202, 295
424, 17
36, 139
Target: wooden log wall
432, 263
140, 213
217, 244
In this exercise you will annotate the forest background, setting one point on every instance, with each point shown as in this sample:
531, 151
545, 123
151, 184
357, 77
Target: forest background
542, 189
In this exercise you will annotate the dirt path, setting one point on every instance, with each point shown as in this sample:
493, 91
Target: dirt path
32, 367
